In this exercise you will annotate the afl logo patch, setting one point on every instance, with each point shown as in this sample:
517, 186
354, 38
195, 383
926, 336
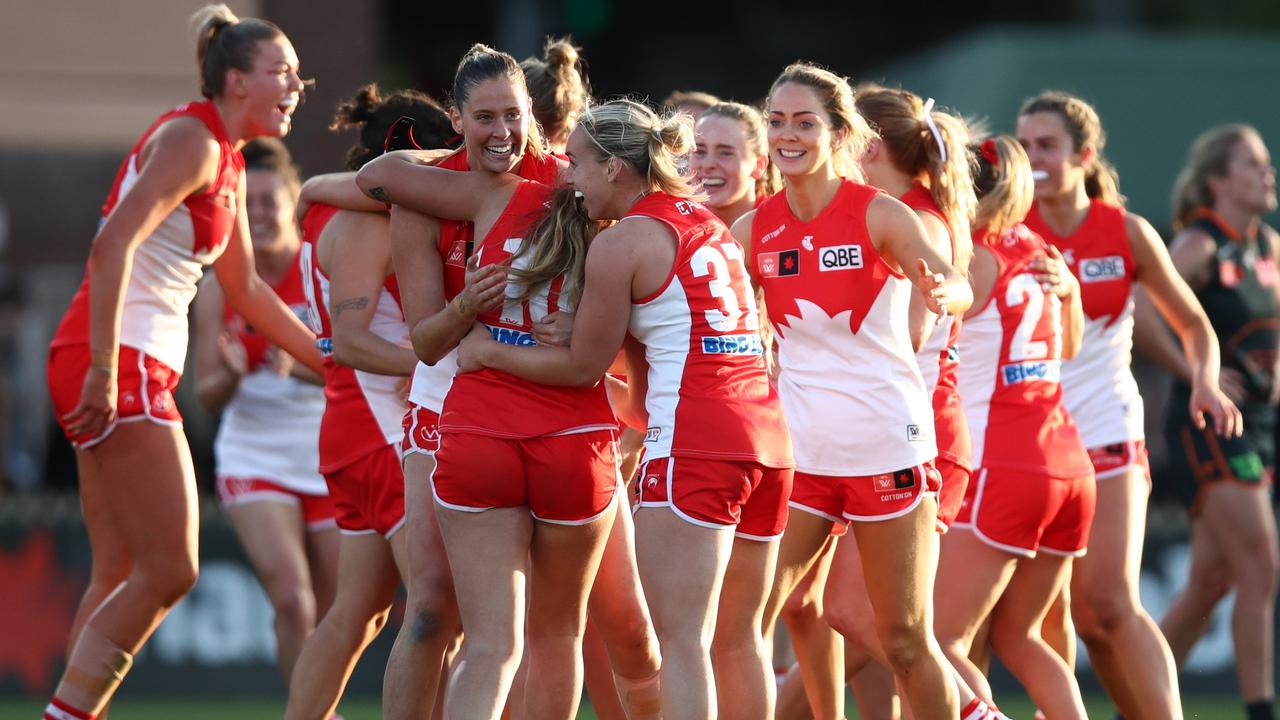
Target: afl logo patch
840, 257
1101, 269
779, 264
652, 434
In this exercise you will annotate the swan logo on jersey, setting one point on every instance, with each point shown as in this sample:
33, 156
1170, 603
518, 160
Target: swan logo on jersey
779, 264
1048, 370
511, 336
457, 254
1100, 269
840, 257
764, 239
732, 345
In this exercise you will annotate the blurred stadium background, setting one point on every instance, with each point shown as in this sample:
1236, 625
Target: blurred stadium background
80, 79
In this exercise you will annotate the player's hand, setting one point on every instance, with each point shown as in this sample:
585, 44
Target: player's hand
97, 407
281, 362
554, 329
1209, 400
484, 290
472, 349
1051, 271
233, 354
933, 286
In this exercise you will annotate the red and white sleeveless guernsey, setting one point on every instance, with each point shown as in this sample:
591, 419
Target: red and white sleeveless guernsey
169, 262
363, 410
939, 359
1099, 388
270, 430
850, 384
497, 404
1009, 379
431, 382
709, 394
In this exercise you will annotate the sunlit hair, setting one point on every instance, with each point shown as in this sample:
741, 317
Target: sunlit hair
482, 63
1003, 184
939, 151
558, 86
1209, 157
373, 115
270, 154
654, 146
223, 42
557, 246
836, 97
1101, 181
681, 99
753, 129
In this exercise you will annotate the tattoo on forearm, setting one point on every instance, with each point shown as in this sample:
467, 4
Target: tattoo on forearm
380, 194
359, 303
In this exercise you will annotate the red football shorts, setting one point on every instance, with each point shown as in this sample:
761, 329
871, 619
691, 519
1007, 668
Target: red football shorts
864, 497
368, 494
421, 431
1023, 512
144, 389
1111, 460
718, 494
955, 480
318, 511
563, 479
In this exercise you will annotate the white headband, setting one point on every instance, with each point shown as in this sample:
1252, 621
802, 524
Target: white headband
933, 129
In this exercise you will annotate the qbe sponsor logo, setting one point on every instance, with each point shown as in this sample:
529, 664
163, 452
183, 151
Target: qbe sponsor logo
840, 257
1100, 269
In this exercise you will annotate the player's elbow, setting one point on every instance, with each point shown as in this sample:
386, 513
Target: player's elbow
373, 176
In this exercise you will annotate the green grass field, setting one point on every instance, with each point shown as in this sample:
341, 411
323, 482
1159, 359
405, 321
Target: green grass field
1202, 708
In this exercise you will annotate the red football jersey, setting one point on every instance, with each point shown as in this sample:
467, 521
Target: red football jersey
709, 394
1010, 377
363, 411
492, 402
169, 262
289, 288
939, 359
849, 383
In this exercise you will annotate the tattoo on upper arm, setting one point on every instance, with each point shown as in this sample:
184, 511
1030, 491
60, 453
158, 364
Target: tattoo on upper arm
380, 194
359, 303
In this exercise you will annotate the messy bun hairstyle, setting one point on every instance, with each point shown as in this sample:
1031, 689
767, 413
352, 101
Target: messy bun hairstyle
373, 115
558, 86
655, 146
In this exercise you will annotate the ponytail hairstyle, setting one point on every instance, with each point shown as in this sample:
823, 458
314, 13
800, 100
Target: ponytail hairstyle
558, 86
557, 246
656, 147
1209, 156
223, 42
837, 99
1101, 181
924, 141
373, 116
753, 129
484, 63
1003, 185
270, 154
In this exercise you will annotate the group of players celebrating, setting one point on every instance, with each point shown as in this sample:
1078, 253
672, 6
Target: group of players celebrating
841, 360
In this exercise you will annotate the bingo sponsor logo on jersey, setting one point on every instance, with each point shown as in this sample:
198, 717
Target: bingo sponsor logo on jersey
511, 336
732, 345
779, 264
1047, 370
1100, 269
840, 257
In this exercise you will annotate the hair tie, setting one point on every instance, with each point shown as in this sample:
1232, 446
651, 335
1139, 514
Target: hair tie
933, 129
988, 150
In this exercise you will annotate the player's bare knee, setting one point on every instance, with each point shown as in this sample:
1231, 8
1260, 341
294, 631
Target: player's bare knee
295, 607
1100, 611
800, 612
905, 642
